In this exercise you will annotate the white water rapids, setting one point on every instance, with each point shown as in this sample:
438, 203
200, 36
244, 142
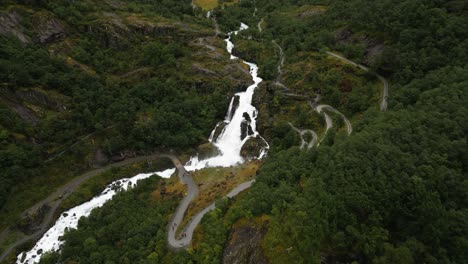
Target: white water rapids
229, 143
50, 241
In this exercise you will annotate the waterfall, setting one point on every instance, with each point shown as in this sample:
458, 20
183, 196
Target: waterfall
50, 241
230, 141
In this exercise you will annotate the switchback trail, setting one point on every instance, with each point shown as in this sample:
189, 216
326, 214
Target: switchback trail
192, 191
383, 102
320, 109
302, 133
55, 199
259, 25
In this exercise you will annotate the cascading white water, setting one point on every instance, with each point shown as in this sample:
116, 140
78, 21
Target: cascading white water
50, 241
229, 142
229, 112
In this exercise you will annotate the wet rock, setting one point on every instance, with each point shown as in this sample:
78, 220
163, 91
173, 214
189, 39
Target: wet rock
219, 130
262, 101
246, 128
207, 150
235, 105
238, 75
253, 147
244, 246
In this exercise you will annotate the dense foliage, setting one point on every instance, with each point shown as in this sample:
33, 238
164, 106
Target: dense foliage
395, 191
86, 77
100, 239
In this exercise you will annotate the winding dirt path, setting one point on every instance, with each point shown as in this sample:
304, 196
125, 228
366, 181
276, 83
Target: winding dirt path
320, 109
383, 102
302, 133
55, 199
259, 25
279, 69
184, 240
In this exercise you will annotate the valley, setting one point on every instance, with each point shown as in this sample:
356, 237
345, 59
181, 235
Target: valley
232, 131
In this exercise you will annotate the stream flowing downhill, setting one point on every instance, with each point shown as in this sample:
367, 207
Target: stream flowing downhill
229, 141
50, 241
238, 127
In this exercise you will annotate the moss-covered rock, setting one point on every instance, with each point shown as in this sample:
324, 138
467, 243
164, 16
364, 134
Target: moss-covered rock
245, 246
253, 147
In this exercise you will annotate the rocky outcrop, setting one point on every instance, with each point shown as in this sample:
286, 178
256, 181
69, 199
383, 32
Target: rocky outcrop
262, 101
46, 29
309, 13
31, 221
244, 246
253, 147
10, 24
219, 130
34, 97
50, 30
108, 35
201, 70
23, 112
207, 150
374, 47
246, 128
99, 159
344, 35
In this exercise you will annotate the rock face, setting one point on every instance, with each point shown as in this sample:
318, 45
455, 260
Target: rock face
246, 128
252, 148
50, 30
99, 159
244, 246
207, 150
374, 48
262, 101
47, 29
31, 222
34, 97
10, 24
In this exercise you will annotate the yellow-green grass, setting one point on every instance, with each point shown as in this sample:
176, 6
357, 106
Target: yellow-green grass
206, 4
212, 4
215, 183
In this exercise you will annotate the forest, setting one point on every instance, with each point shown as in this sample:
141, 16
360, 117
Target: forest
395, 191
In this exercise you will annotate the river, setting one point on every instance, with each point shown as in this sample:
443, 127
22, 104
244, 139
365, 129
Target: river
229, 142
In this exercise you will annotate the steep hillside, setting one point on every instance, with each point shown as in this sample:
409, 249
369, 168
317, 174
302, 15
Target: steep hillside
76, 76
362, 109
